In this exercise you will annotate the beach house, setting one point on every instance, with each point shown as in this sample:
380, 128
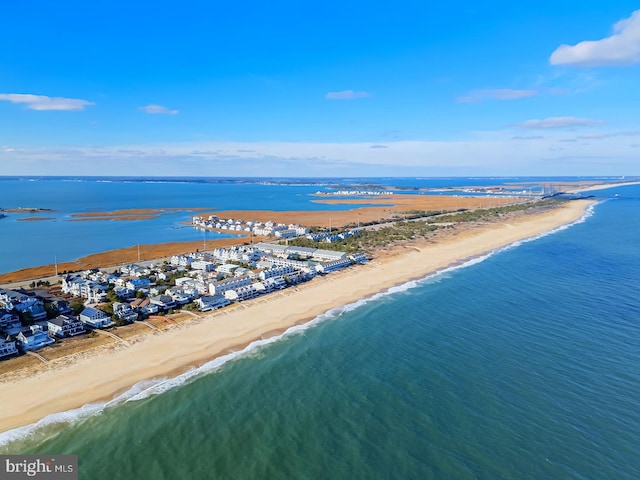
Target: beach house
33, 338
274, 283
124, 312
33, 307
9, 323
65, 326
163, 302
94, 318
7, 348
211, 302
203, 265
136, 284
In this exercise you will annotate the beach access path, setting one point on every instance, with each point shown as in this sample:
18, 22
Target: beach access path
102, 377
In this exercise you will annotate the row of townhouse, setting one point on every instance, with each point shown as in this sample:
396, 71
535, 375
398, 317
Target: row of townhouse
285, 251
269, 228
276, 271
332, 237
183, 260
236, 254
306, 267
280, 254
333, 265
222, 286
247, 292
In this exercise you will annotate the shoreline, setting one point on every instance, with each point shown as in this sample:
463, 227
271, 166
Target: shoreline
106, 375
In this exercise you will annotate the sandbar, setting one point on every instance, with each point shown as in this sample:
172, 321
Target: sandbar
106, 374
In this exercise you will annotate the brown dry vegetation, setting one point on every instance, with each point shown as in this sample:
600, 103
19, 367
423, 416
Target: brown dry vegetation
389, 207
70, 346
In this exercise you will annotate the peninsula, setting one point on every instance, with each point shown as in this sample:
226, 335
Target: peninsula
99, 375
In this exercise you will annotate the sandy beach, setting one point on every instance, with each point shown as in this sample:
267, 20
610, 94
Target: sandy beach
64, 385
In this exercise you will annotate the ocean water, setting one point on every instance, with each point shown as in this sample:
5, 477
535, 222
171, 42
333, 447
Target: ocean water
523, 364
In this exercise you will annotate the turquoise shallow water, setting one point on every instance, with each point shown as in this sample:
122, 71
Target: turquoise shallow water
524, 365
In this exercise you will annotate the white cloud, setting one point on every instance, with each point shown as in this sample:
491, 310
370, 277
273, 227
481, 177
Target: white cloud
42, 102
559, 122
346, 95
488, 155
621, 48
158, 110
497, 94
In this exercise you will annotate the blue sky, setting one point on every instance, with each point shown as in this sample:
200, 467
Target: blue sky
329, 88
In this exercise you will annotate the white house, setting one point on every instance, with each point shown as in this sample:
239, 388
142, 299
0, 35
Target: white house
123, 292
274, 283
182, 260
138, 284
358, 258
192, 286
95, 318
65, 326
124, 312
212, 302
179, 296
227, 268
97, 295
33, 338
203, 265
164, 302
